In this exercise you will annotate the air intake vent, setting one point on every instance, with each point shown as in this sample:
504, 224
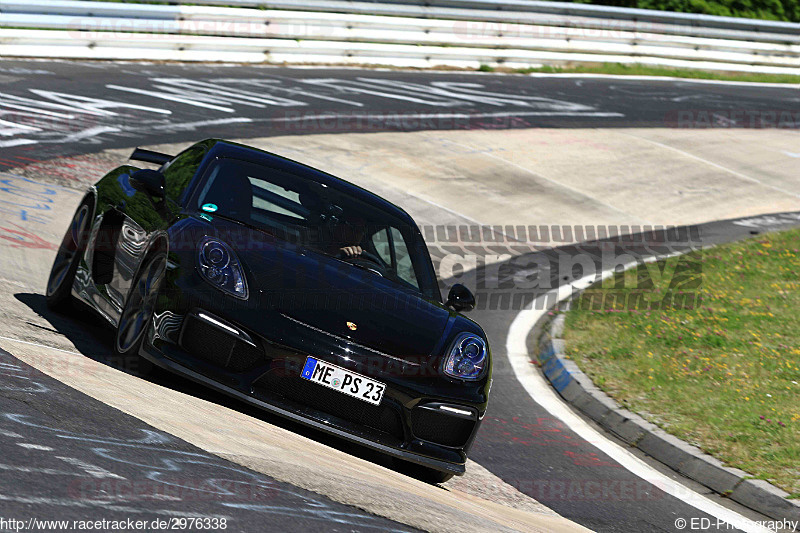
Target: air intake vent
215, 346
440, 427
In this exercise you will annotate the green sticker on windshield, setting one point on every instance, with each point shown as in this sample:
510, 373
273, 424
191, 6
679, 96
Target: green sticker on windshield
206, 217
209, 208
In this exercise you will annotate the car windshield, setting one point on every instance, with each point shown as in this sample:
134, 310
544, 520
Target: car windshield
318, 217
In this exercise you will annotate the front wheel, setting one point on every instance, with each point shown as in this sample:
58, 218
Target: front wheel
138, 313
65, 265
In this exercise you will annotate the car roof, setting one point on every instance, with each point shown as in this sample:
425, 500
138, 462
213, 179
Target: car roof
222, 148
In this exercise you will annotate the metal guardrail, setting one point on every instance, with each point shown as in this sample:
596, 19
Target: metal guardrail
403, 34
604, 12
552, 14
513, 8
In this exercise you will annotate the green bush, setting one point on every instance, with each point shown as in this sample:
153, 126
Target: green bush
785, 10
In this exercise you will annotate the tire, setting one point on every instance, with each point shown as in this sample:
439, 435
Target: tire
62, 274
138, 312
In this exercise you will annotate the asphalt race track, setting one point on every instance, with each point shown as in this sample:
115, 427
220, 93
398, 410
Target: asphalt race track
67, 455
81, 459
66, 108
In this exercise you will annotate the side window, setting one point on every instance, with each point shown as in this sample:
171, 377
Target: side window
399, 259
405, 268
179, 172
380, 240
270, 197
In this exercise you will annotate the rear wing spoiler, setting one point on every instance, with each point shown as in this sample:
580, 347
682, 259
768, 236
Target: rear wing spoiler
148, 156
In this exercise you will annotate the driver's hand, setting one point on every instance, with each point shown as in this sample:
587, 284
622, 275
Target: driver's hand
351, 251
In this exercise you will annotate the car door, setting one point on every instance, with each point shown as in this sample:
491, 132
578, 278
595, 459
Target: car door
143, 215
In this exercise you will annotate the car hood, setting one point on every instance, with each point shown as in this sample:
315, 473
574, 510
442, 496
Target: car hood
336, 298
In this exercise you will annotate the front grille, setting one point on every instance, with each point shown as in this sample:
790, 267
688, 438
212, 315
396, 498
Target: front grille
381, 418
215, 346
441, 428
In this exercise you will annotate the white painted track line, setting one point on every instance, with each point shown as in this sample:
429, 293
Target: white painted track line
715, 165
39, 345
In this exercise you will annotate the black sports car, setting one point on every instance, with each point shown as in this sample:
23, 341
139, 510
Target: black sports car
285, 287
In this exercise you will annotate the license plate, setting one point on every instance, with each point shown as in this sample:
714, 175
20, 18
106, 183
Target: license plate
342, 380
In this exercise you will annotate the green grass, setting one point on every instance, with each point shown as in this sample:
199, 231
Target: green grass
724, 375
643, 70
786, 10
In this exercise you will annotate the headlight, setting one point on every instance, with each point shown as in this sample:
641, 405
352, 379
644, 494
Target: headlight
219, 265
467, 357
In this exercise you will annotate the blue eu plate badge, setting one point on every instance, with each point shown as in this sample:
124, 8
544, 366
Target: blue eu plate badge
308, 370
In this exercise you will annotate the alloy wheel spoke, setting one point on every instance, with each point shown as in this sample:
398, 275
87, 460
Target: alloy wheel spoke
140, 306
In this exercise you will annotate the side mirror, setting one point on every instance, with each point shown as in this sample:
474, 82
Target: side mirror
460, 298
149, 182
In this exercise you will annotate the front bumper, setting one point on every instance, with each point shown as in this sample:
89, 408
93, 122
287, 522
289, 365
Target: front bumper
257, 356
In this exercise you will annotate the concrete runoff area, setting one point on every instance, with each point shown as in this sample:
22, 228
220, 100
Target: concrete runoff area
553, 176
550, 176
510, 177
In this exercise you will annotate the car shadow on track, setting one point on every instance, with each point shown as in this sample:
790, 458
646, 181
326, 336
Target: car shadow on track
92, 338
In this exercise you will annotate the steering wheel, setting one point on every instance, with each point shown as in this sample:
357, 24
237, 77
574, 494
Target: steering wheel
367, 260
370, 257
